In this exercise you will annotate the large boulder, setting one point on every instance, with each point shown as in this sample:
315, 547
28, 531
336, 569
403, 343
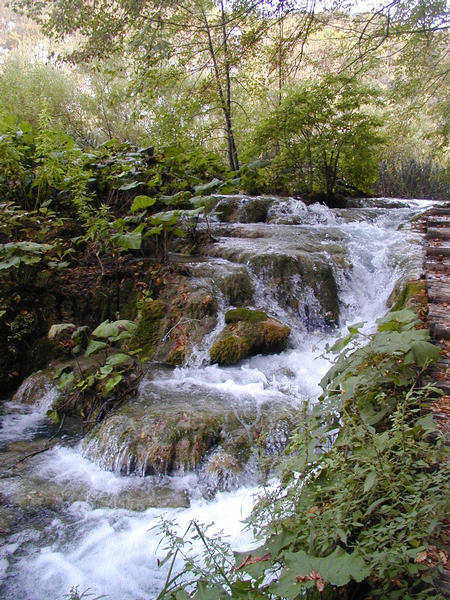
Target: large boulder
174, 326
248, 332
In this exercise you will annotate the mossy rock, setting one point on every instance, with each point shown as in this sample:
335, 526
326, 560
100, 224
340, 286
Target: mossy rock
158, 443
229, 350
149, 330
238, 288
412, 294
177, 356
314, 291
246, 338
245, 314
35, 388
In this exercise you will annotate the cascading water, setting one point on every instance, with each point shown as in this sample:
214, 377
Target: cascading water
66, 521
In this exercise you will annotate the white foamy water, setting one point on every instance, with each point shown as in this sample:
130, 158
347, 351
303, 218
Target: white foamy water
24, 421
85, 536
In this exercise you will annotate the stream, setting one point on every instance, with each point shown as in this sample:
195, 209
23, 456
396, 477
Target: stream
72, 516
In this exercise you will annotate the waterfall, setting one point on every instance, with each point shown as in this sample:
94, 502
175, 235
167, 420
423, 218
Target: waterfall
71, 517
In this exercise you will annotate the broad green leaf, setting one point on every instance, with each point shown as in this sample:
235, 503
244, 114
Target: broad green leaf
94, 346
118, 359
423, 353
356, 327
341, 343
105, 371
66, 380
106, 329
207, 187
166, 218
113, 329
205, 592
129, 241
12, 261
153, 231
397, 320
130, 186
142, 202
77, 335
338, 568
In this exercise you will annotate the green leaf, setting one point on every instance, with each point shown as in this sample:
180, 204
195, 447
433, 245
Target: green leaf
108, 330
12, 261
112, 382
56, 330
207, 187
166, 218
105, 330
338, 568
77, 335
129, 241
422, 353
66, 380
370, 481
118, 359
205, 592
142, 202
130, 186
94, 346
105, 371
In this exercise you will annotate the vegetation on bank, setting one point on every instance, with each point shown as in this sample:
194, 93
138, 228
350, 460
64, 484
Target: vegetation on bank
221, 76
360, 511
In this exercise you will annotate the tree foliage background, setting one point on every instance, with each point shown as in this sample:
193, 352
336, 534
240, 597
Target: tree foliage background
214, 73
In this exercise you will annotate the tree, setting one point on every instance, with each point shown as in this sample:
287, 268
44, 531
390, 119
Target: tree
196, 38
325, 131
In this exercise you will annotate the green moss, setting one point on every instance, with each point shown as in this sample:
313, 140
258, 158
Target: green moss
245, 314
411, 295
229, 350
148, 333
176, 356
238, 288
200, 306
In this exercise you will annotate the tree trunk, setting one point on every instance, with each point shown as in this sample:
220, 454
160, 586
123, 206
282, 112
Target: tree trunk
225, 98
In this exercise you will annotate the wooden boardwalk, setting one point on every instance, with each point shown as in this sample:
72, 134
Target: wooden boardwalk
437, 276
436, 225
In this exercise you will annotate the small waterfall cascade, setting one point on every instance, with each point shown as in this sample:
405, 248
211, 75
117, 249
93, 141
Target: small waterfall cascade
84, 513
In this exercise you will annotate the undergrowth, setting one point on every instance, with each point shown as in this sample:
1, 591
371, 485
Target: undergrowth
360, 509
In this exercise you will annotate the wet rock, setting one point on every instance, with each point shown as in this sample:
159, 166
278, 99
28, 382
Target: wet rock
409, 294
6, 518
165, 431
37, 389
248, 332
223, 472
304, 282
169, 327
243, 209
158, 443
